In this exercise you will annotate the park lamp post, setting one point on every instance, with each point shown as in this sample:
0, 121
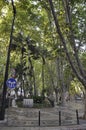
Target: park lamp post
3, 99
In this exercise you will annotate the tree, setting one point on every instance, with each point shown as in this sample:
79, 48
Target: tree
2, 112
77, 66
36, 48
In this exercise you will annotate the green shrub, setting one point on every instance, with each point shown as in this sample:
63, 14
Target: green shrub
38, 99
45, 104
19, 102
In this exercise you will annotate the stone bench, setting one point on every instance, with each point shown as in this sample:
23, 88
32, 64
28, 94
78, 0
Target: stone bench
27, 102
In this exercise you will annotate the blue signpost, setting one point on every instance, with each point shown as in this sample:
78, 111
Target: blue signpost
11, 83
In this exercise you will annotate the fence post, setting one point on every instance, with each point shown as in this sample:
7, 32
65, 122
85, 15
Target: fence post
59, 118
77, 116
39, 118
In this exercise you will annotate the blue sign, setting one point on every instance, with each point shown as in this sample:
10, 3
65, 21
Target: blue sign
11, 83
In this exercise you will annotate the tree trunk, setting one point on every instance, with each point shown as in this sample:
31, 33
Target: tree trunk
2, 111
79, 75
43, 80
60, 77
32, 75
77, 69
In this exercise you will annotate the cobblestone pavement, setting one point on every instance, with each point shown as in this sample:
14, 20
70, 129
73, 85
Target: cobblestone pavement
28, 118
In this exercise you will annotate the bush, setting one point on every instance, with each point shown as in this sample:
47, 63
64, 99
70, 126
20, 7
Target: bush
38, 99
19, 102
45, 104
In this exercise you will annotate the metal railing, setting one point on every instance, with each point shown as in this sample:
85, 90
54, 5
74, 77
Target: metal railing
42, 118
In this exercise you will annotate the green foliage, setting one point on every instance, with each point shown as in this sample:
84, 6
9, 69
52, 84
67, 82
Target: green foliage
76, 87
38, 99
83, 58
34, 22
43, 105
19, 102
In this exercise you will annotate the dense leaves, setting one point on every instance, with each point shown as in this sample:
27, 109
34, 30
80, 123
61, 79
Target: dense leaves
36, 46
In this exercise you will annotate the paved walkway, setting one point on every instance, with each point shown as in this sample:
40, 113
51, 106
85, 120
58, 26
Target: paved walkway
28, 118
73, 127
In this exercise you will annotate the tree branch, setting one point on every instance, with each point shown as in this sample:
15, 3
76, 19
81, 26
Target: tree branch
72, 39
79, 76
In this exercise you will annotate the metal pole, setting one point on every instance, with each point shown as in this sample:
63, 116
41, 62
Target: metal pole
8, 107
77, 116
59, 118
39, 118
